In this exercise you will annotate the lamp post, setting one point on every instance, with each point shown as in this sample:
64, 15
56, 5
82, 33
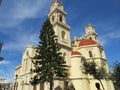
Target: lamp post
0, 51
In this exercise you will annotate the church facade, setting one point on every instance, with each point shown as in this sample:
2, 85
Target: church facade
72, 51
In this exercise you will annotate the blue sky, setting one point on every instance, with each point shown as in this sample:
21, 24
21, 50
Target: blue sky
21, 20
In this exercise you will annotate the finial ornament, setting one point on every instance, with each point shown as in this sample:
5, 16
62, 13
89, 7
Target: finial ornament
90, 25
56, 0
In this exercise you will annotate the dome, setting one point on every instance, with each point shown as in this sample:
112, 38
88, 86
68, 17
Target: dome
85, 42
89, 26
75, 53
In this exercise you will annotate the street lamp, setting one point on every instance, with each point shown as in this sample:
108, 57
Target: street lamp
0, 51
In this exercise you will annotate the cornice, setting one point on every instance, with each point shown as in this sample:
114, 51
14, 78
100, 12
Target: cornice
57, 10
62, 25
68, 47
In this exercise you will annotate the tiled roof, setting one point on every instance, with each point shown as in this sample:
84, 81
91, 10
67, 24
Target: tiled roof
75, 53
85, 42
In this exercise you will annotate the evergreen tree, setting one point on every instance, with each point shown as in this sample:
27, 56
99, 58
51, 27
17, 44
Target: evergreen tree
116, 75
49, 63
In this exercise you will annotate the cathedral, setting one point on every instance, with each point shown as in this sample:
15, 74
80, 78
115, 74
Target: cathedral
72, 51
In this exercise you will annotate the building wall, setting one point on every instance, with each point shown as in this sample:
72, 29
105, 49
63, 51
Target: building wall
77, 79
4, 84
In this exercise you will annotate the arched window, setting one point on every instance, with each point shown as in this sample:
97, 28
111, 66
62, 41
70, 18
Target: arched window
26, 53
63, 35
95, 38
90, 38
90, 54
64, 54
60, 18
97, 86
53, 18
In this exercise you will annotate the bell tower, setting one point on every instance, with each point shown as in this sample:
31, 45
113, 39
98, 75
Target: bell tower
57, 13
57, 17
90, 32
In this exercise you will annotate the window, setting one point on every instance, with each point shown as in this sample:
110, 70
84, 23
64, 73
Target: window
90, 38
60, 18
95, 38
90, 54
53, 18
102, 53
27, 53
64, 54
63, 35
97, 86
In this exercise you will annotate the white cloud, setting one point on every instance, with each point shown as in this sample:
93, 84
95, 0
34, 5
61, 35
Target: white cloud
29, 8
14, 14
21, 40
18, 10
4, 62
7, 74
114, 35
108, 30
104, 39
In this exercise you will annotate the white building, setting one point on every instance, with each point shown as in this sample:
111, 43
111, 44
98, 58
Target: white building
87, 46
4, 84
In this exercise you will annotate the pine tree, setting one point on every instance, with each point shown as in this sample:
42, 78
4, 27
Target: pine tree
49, 63
116, 75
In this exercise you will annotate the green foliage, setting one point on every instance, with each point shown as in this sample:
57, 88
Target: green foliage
49, 63
116, 75
92, 69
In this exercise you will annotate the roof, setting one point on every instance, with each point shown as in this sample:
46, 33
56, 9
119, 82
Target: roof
85, 42
75, 53
90, 25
